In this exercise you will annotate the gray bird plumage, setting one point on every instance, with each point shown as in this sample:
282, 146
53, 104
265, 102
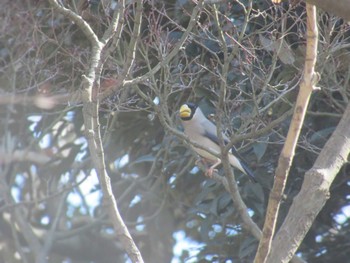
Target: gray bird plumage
202, 131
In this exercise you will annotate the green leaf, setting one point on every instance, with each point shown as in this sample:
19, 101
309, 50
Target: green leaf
321, 136
260, 147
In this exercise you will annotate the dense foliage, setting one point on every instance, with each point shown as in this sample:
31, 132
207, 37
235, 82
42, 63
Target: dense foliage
248, 54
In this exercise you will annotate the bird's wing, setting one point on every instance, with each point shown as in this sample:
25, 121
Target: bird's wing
210, 131
213, 137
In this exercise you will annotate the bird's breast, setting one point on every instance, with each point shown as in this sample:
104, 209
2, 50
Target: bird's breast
207, 143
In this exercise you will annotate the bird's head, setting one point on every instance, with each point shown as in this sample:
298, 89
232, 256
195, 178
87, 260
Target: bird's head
187, 111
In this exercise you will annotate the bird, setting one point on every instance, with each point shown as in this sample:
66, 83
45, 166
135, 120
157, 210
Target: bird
202, 131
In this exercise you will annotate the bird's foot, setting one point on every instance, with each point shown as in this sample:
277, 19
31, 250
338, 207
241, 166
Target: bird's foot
209, 172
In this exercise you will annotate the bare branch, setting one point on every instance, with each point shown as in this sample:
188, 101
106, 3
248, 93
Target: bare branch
93, 134
315, 190
130, 57
173, 52
286, 157
85, 27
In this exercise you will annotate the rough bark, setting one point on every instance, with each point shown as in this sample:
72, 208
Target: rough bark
313, 194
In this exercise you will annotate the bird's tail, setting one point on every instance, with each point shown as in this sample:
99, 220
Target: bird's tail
248, 172
242, 166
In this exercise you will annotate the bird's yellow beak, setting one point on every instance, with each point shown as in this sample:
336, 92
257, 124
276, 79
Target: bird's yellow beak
185, 111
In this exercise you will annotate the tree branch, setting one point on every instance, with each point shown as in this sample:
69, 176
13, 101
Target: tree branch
287, 154
92, 127
130, 57
315, 190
